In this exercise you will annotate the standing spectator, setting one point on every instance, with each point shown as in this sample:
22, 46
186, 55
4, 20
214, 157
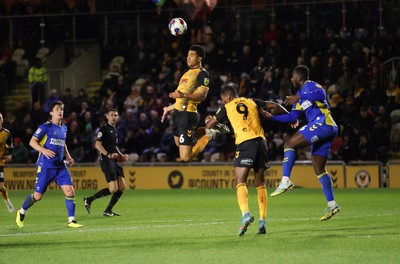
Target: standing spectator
37, 78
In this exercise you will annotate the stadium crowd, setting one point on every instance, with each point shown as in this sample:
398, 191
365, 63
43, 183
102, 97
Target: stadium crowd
347, 64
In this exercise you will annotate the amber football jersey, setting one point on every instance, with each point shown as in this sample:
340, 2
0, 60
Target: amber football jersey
5, 142
189, 84
244, 118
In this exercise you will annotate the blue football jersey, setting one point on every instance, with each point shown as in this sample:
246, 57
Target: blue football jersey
314, 110
51, 137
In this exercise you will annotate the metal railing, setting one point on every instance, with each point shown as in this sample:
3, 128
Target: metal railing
390, 71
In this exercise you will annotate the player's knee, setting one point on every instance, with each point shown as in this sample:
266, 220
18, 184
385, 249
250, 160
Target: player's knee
113, 189
38, 197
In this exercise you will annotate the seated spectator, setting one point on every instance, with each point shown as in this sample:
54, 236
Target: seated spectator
20, 153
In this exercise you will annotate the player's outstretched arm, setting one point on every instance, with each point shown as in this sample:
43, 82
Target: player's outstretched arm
166, 109
275, 108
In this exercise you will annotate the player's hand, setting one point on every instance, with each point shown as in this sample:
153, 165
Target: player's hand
265, 114
208, 118
114, 155
7, 158
295, 124
164, 115
291, 100
48, 153
70, 161
126, 157
176, 94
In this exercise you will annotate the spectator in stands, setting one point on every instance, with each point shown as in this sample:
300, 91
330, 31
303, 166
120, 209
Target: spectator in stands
38, 80
122, 90
347, 149
53, 97
393, 96
365, 150
68, 99
380, 138
8, 68
21, 152
20, 110
344, 84
38, 115
331, 71
81, 97
364, 122
133, 100
74, 143
272, 33
316, 70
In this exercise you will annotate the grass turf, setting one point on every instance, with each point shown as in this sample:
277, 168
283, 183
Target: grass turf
200, 226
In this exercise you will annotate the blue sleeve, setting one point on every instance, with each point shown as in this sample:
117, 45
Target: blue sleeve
287, 118
317, 94
41, 131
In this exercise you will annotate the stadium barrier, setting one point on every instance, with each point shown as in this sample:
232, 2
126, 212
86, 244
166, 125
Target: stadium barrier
207, 176
393, 172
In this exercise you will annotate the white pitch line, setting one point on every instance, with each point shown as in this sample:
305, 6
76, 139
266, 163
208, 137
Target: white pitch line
89, 230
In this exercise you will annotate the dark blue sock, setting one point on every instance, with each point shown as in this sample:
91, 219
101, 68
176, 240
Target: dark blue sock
29, 201
289, 158
70, 204
326, 183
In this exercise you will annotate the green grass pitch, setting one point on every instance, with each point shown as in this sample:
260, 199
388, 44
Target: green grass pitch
200, 226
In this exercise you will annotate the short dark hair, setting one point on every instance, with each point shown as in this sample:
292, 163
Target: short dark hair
199, 50
54, 105
229, 90
303, 71
111, 110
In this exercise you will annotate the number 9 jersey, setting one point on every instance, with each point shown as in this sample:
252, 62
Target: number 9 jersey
243, 113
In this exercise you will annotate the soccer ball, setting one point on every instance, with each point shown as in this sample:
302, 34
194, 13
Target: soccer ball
177, 26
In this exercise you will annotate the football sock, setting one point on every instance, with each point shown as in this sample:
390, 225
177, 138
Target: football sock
70, 204
29, 201
114, 200
4, 192
289, 158
21, 214
243, 197
331, 204
326, 183
262, 201
99, 194
285, 180
201, 131
200, 145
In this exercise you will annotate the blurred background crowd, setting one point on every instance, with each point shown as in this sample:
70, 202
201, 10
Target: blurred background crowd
351, 47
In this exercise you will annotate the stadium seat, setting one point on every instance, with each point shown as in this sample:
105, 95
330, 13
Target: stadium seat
43, 52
